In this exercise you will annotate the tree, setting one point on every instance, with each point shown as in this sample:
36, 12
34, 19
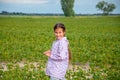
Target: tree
105, 7
67, 7
4, 12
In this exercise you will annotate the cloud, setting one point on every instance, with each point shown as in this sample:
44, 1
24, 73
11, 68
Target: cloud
25, 1
86, 2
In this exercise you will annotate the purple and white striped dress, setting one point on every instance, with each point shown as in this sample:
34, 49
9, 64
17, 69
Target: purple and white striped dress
58, 61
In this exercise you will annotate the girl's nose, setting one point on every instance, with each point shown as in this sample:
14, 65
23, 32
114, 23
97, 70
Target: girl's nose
58, 34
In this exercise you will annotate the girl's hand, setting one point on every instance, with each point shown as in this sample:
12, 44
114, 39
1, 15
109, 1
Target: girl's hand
47, 53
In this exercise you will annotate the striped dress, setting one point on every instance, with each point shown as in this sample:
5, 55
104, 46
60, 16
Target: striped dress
58, 61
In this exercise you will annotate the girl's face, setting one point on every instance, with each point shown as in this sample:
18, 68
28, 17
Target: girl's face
59, 33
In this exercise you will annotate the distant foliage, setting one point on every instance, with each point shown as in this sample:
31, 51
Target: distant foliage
105, 7
67, 7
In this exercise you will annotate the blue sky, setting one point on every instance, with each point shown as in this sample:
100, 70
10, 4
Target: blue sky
52, 6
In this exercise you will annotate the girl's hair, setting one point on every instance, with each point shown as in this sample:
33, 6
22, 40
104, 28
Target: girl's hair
60, 25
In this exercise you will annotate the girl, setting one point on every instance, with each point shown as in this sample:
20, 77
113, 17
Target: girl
59, 55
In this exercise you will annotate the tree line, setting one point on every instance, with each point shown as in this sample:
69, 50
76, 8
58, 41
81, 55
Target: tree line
48, 14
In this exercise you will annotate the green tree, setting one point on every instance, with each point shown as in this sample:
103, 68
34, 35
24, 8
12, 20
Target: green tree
105, 7
67, 7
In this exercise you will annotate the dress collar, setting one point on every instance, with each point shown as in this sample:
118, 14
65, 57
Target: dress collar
64, 38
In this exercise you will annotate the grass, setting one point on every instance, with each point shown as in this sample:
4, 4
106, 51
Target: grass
94, 40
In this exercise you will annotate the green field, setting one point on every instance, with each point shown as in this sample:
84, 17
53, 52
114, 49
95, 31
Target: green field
94, 43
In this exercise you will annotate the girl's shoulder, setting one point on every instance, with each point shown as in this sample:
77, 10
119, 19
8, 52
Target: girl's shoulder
64, 41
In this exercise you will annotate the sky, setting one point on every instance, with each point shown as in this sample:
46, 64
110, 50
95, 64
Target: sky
53, 6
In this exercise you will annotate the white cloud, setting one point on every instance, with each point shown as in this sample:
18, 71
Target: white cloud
86, 2
25, 1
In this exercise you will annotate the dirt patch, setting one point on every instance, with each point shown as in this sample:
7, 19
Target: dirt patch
7, 66
76, 66
85, 67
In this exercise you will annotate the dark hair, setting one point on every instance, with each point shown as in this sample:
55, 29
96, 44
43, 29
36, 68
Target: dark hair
59, 25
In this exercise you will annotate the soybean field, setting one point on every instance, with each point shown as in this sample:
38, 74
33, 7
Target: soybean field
94, 44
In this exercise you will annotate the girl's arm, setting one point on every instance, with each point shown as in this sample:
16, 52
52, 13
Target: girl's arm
62, 51
47, 53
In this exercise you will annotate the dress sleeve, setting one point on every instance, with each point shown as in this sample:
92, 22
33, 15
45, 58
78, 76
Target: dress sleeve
62, 51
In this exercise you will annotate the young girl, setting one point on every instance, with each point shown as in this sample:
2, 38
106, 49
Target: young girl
59, 55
